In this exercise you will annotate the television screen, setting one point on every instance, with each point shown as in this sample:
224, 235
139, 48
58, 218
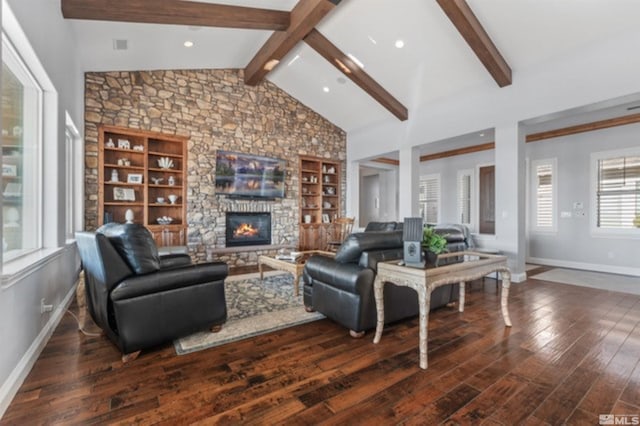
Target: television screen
247, 175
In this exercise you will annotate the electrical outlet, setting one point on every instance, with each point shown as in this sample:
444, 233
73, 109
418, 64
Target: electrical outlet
45, 308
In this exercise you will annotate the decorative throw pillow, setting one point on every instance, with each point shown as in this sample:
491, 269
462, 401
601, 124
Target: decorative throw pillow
135, 244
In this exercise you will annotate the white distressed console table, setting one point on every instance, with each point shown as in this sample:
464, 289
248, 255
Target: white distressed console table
424, 281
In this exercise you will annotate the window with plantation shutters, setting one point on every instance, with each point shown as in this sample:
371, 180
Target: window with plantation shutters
430, 198
544, 194
465, 191
617, 191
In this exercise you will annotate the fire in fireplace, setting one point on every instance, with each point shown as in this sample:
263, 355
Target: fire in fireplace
248, 229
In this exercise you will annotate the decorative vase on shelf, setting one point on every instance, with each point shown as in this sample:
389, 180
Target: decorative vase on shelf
171, 181
114, 175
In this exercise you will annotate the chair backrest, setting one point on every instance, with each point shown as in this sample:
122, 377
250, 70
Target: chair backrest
104, 268
343, 227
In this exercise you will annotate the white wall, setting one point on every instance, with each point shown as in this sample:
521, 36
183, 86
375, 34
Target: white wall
448, 169
52, 272
574, 244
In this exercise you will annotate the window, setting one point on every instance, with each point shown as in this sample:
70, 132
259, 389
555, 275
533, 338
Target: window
465, 194
21, 156
430, 198
544, 194
617, 189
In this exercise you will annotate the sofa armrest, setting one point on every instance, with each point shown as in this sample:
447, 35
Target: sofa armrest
349, 277
174, 260
140, 285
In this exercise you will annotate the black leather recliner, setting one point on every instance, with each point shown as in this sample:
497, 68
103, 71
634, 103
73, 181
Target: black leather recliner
141, 299
341, 288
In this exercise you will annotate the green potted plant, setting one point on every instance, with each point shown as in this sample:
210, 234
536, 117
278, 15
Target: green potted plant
433, 244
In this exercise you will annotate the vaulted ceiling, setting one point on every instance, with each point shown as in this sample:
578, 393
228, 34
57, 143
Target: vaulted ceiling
435, 61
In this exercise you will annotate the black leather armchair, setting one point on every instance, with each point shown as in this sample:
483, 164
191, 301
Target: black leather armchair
341, 288
141, 299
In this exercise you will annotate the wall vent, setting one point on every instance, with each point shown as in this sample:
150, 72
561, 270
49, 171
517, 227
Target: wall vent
120, 44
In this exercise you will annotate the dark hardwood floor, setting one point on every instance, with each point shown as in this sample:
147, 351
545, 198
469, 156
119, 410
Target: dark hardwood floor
571, 355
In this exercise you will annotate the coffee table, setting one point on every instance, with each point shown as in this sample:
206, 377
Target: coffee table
424, 281
294, 267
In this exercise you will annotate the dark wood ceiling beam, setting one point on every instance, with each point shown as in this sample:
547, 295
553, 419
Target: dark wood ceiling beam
385, 160
341, 61
304, 17
176, 12
460, 151
477, 38
587, 127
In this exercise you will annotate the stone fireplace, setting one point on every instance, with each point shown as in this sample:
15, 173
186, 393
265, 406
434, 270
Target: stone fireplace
248, 229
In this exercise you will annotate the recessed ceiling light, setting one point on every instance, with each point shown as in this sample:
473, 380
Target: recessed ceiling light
481, 134
325, 89
372, 40
355, 60
399, 44
188, 43
341, 80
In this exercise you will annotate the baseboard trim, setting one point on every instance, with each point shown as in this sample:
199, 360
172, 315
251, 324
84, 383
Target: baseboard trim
610, 269
11, 386
518, 278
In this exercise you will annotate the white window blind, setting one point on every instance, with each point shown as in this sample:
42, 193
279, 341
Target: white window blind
430, 198
544, 195
618, 192
464, 197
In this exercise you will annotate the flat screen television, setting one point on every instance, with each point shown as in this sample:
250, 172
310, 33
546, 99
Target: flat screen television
248, 175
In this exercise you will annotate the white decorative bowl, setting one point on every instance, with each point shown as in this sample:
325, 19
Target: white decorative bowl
164, 220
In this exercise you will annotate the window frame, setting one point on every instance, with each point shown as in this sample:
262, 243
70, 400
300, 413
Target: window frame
631, 233
436, 177
15, 60
472, 198
553, 162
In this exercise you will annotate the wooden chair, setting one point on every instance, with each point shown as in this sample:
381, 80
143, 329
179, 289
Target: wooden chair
340, 229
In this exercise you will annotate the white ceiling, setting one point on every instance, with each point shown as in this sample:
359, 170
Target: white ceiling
435, 62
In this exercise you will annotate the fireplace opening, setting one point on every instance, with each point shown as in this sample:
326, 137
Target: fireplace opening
248, 229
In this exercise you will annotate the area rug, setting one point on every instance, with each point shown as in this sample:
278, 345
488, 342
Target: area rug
599, 280
253, 307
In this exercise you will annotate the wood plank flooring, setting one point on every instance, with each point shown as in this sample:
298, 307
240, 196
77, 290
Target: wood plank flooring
573, 353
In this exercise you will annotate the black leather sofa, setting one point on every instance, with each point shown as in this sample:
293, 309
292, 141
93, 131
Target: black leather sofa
141, 299
341, 288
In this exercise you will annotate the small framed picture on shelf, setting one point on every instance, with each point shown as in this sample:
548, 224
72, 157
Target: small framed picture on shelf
134, 178
124, 194
9, 170
325, 218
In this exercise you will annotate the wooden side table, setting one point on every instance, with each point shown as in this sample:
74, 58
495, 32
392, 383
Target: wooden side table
293, 267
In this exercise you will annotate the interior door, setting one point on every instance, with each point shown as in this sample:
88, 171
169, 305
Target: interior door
369, 199
487, 200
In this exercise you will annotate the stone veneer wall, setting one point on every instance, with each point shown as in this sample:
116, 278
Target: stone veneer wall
215, 110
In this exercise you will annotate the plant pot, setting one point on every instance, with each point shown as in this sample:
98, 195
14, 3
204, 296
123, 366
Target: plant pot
431, 258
